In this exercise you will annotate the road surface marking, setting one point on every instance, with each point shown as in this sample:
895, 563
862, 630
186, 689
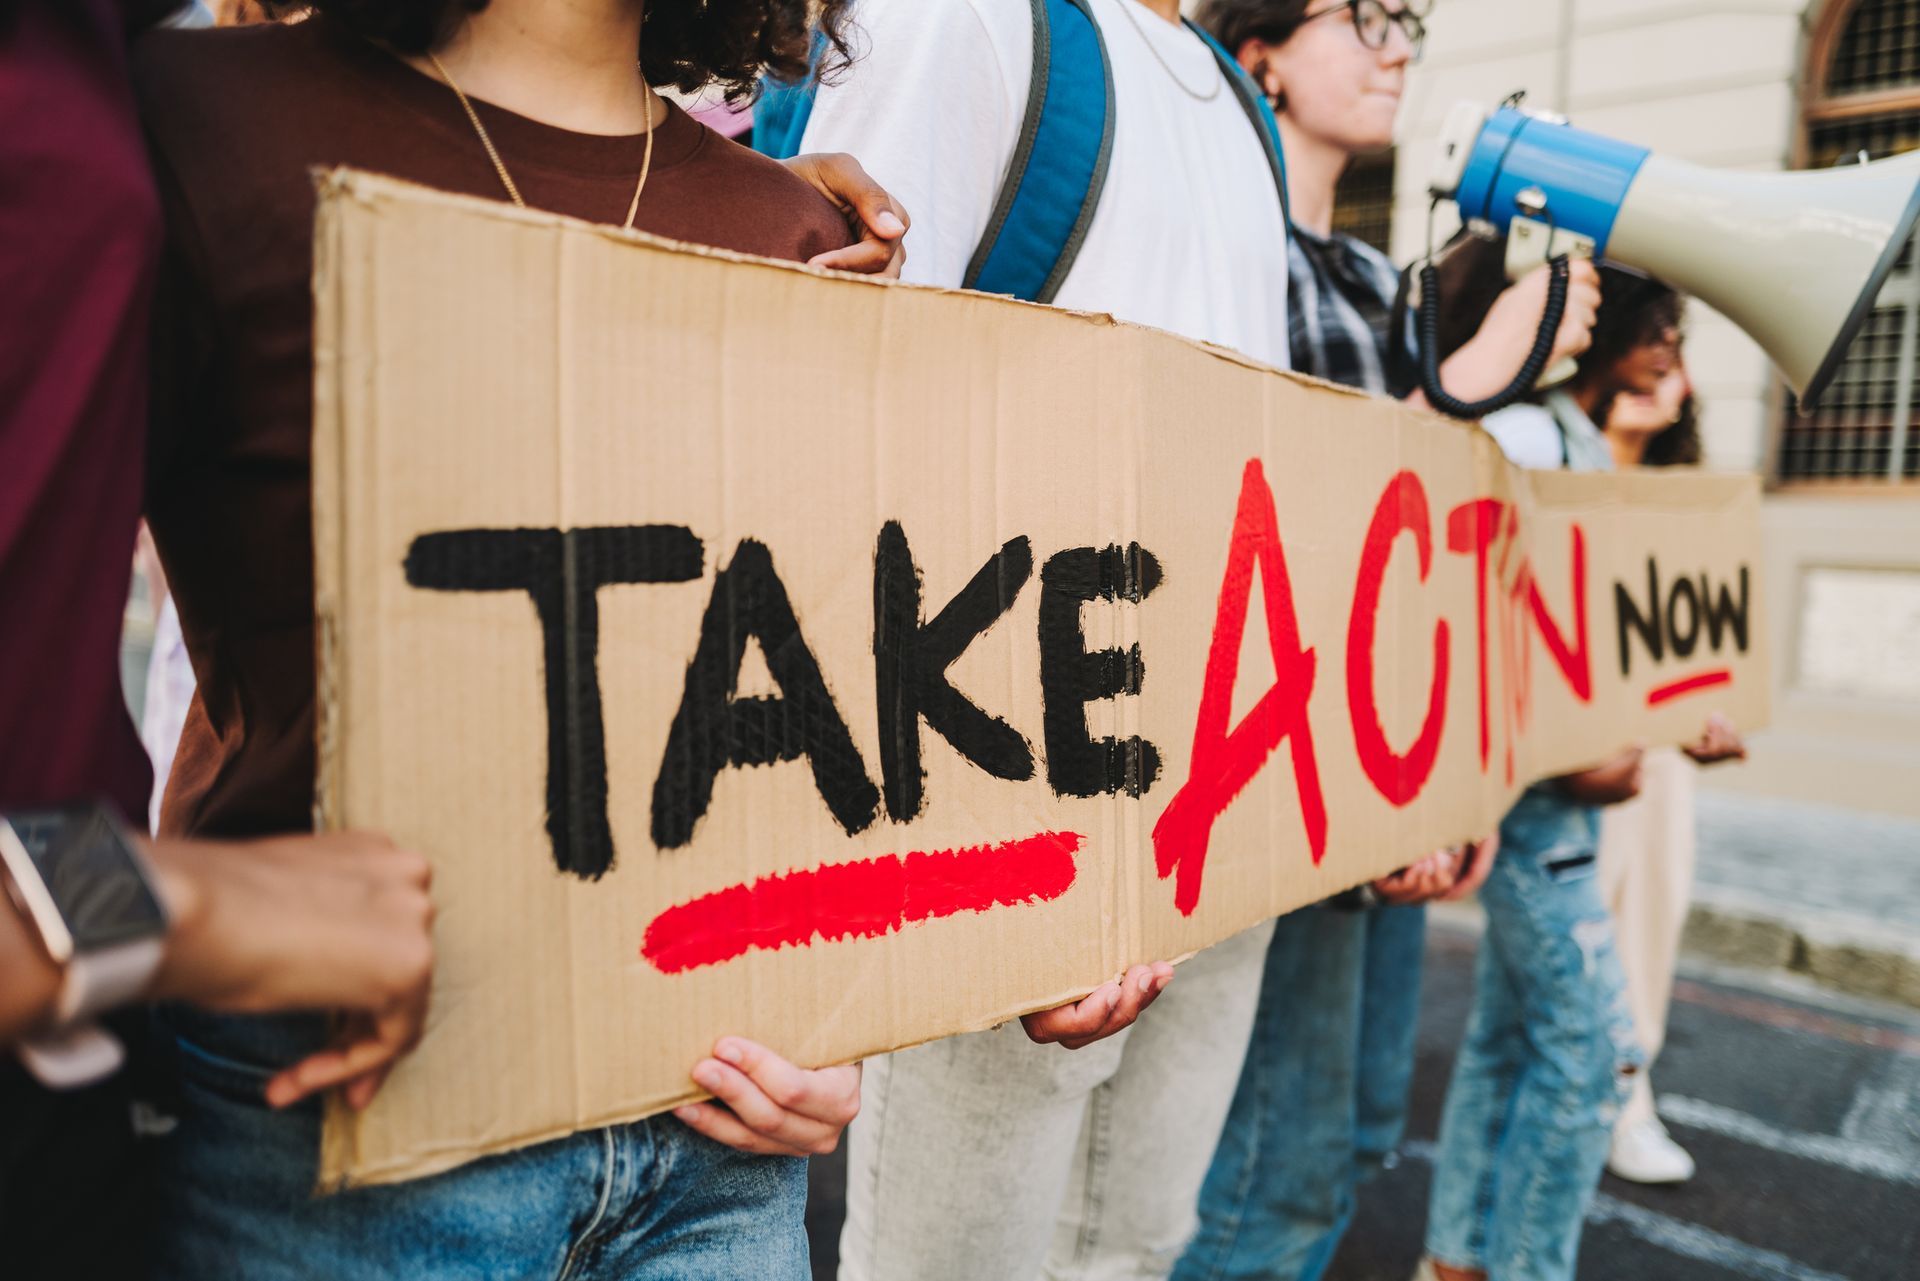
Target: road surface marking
1886, 1109
1677, 1236
1691, 1241
1860, 1155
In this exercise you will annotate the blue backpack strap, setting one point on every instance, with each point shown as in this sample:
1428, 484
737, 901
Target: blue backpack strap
1258, 110
1059, 164
780, 116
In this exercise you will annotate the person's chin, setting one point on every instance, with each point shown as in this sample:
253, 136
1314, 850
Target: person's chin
1379, 114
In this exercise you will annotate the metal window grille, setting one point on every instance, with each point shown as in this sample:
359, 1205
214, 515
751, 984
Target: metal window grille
1879, 49
1864, 428
1363, 202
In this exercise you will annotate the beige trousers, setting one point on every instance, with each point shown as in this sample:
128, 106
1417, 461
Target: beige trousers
989, 1158
1647, 849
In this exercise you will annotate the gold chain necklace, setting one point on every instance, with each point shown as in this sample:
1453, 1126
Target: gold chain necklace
1220, 76
499, 165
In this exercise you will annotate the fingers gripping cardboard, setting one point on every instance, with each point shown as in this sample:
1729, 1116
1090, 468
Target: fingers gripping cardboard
847, 665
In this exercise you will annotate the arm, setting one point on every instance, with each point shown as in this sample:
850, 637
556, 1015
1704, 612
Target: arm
1494, 354
298, 923
932, 106
29, 982
338, 922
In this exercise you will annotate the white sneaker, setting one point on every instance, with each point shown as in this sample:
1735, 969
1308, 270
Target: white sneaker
1646, 1153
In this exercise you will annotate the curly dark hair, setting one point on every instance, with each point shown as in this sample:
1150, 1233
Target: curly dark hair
687, 44
1678, 445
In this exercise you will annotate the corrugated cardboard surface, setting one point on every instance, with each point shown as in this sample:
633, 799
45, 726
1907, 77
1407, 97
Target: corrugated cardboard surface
484, 368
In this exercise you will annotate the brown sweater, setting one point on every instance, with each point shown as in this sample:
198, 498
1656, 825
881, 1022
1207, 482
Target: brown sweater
236, 118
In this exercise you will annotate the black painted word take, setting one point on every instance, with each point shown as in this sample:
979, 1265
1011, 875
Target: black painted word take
715, 729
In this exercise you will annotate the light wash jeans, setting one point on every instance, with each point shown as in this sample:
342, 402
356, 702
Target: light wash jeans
650, 1201
1322, 1100
989, 1158
1549, 1057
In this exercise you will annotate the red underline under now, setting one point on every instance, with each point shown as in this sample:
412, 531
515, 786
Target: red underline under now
868, 898
1687, 685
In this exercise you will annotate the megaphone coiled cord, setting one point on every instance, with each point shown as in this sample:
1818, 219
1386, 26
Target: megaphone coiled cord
1523, 382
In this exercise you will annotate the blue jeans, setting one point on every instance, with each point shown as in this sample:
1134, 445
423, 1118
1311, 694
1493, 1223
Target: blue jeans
1548, 1061
1322, 1099
649, 1201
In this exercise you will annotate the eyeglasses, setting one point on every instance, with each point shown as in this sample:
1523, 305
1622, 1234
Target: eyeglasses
1373, 22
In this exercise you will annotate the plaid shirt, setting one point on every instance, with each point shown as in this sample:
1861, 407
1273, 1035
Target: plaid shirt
1339, 311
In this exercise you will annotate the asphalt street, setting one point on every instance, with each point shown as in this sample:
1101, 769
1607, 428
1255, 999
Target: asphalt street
1803, 1110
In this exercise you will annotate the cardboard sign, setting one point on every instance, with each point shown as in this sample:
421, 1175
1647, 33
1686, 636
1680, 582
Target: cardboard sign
847, 665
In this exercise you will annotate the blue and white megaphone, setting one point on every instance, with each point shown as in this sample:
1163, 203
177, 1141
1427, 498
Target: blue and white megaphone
1794, 259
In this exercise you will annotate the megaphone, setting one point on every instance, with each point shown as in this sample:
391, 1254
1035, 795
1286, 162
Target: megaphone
1794, 259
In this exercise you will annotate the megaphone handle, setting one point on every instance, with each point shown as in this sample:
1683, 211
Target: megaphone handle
1530, 370
1566, 368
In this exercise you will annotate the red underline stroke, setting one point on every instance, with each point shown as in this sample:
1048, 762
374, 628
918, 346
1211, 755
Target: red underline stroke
869, 898
1687, 685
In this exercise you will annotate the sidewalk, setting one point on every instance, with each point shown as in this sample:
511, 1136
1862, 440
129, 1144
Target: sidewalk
1830, 894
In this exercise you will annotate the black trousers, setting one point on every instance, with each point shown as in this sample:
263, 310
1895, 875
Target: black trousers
73, 1198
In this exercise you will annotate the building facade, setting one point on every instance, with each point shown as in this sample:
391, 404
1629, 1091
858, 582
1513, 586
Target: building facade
1752, 84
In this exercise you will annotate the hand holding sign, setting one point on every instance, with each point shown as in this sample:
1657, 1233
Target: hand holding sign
1474, 867
767, 1105
1109, 1008
1421, 882
1719, 742
1609, 784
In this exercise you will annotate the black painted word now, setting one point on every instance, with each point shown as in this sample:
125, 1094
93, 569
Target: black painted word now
1673, 620
714, 729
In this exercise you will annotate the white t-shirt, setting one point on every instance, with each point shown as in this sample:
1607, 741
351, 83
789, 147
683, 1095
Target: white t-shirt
1528, 436
1550, 436
1188, 235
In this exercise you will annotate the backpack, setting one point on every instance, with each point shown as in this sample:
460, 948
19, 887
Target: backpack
1059, 164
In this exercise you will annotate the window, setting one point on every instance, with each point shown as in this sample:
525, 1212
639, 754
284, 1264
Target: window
1863, 98
1878, 48
1363, 202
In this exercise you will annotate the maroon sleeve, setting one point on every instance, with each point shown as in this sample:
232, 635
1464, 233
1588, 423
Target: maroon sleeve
80, 223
